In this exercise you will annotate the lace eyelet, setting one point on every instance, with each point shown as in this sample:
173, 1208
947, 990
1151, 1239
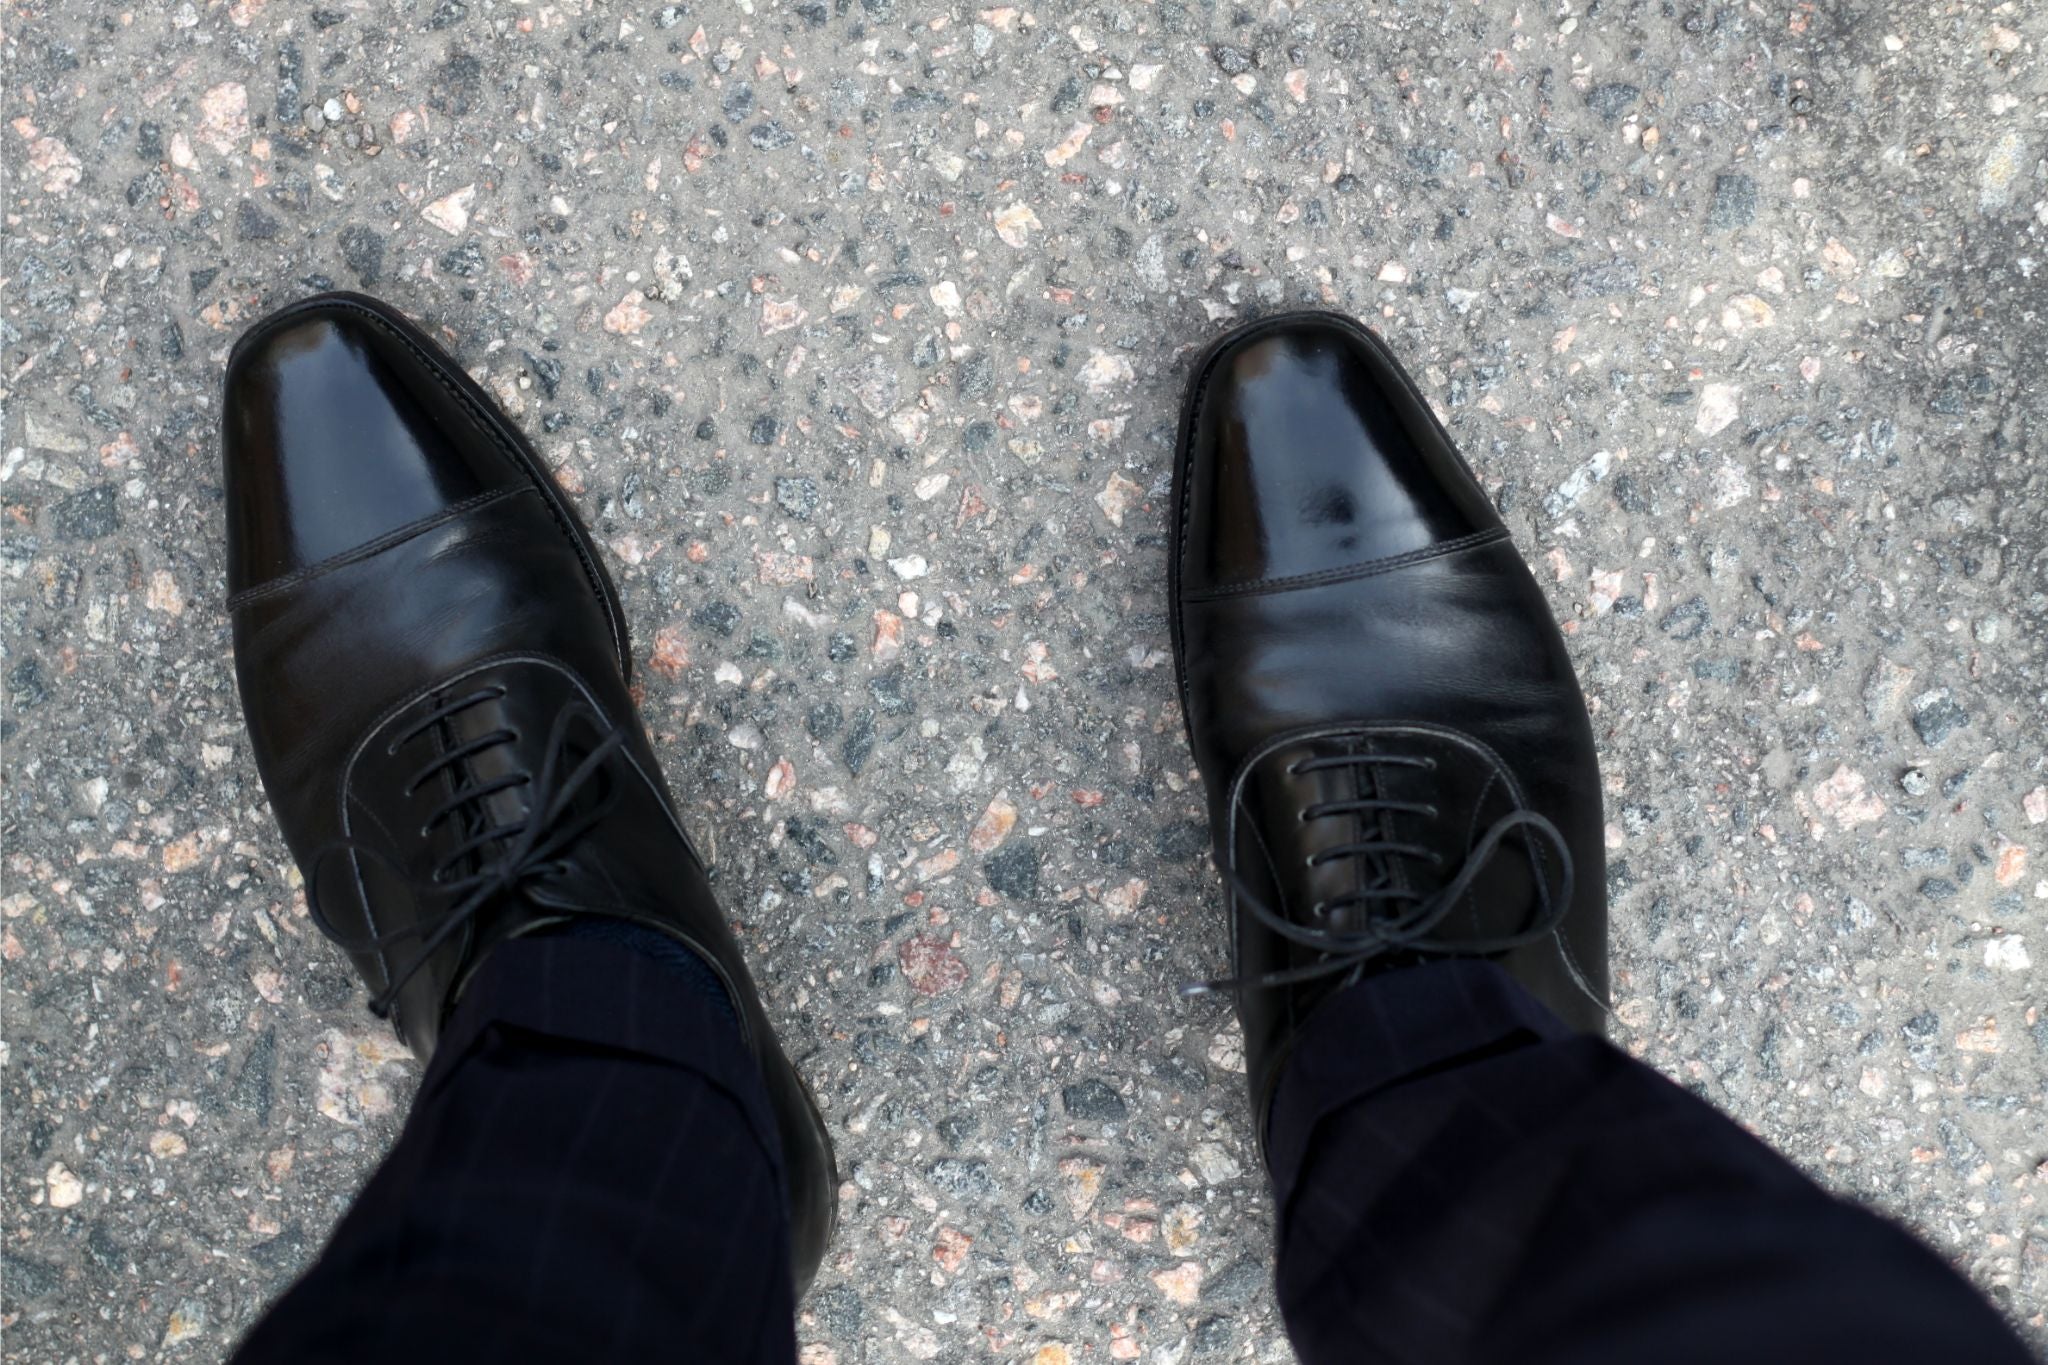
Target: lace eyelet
1429, 764
426, 831
1431, 813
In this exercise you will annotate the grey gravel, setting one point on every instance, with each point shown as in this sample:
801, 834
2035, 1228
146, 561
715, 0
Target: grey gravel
1093, 1099
1613, 99
797, 496
1937, 715
362, 250
1734, 309
1734, 204
88, 514
1014, 872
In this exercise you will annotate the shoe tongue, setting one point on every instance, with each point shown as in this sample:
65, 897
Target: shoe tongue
503, 761
483, 767
497, 783
1420, 766
508, 722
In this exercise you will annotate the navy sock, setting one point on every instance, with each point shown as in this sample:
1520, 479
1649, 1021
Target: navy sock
690, 970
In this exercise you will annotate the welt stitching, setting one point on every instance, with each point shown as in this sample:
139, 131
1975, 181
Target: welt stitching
1194, 421
1186, 489
1370, 569
370, 549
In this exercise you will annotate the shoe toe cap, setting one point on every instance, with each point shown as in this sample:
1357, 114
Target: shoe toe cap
339, 428
1310, 451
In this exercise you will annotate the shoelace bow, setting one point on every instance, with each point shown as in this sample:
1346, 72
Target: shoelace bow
530, 845
1408, 929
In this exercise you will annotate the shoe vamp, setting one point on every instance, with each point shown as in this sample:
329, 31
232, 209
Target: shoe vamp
1463, 641
326, 660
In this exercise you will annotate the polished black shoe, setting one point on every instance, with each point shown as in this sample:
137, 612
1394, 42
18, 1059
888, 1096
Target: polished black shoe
1398, 760
434, 667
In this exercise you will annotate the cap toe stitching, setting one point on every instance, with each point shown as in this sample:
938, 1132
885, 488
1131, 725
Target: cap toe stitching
270, 587
1366, 569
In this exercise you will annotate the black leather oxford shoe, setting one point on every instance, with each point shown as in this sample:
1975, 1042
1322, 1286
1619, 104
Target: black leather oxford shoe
1398, 760
434, 665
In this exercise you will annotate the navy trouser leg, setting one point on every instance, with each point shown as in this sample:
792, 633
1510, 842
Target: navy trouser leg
1461, 1179
590, 1172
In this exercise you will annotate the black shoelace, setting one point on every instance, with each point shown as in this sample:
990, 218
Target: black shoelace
1398, 918
525, 848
